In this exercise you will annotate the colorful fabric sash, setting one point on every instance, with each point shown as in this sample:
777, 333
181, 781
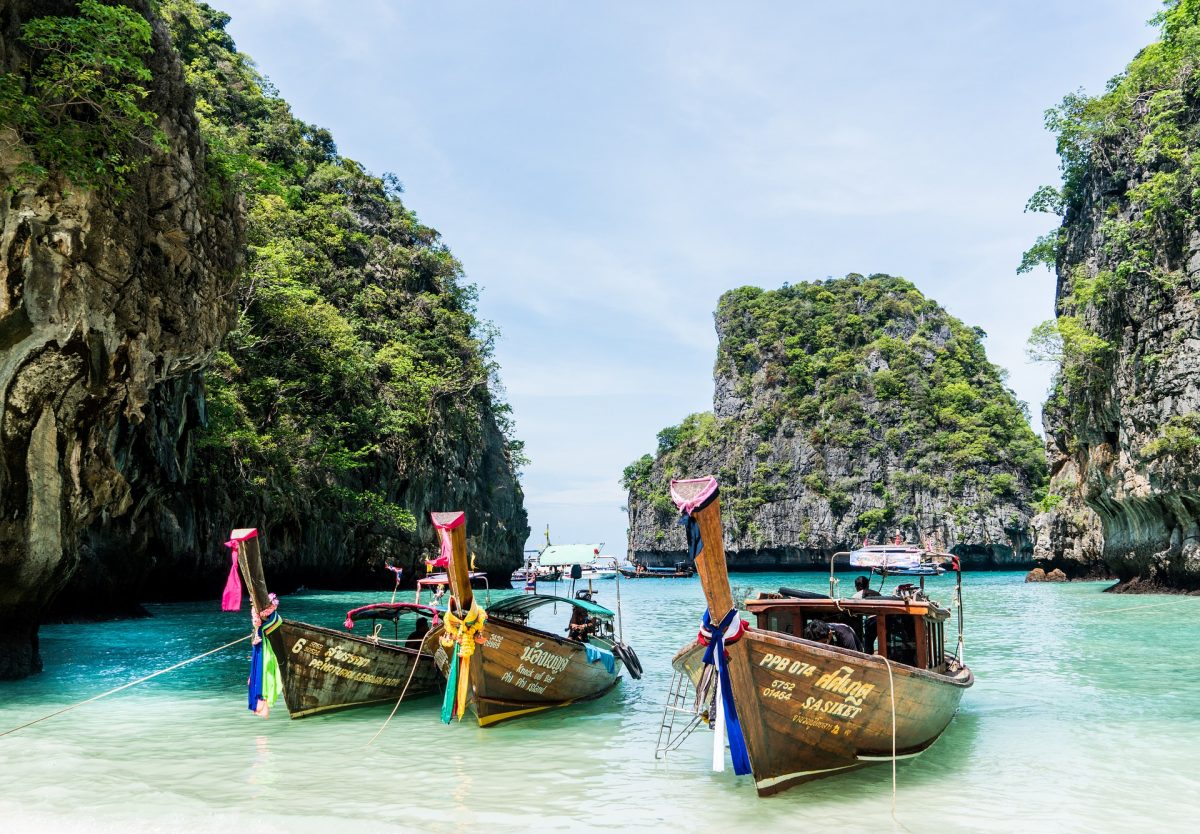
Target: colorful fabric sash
461, 634
729, 630
231, 599
265, 684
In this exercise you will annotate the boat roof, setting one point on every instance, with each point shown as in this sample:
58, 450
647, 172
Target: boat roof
388, 611
865, 606
524, 603
443, 579
569, 554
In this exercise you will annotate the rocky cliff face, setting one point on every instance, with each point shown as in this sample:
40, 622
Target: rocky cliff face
1122, 423
109, 309
847, 409
351, 397
259, 333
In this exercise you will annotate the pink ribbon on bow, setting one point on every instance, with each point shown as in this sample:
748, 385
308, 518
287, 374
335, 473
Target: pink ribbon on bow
231, 599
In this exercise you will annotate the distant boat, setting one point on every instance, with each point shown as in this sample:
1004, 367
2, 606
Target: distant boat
500, 667
898, 560
681, 570
324, 669
543, 574
604, 567
797, 708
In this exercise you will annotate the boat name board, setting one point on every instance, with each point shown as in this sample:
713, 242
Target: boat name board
531, 680
352, 674
329, 660
538, 656
840, 682
332, 653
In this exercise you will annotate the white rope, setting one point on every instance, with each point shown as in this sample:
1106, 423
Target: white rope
892, 692
127, 685
892, 687
1136, 607
412, 670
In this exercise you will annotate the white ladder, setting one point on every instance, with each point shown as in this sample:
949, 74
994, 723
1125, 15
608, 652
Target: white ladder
681, 704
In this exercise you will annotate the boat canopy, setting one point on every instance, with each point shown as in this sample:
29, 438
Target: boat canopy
443, 579
884, 556
523, 604
569, 554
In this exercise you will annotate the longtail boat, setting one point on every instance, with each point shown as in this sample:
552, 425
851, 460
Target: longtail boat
682, 570
798, 709
500, 667
318, 669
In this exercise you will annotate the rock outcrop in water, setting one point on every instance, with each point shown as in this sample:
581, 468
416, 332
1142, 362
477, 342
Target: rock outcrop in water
258, 333
842, 409
109, 310
1123, 419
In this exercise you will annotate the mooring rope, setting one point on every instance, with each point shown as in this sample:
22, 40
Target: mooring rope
892, 687
127, 685
892, 692
412, 670
1136, 607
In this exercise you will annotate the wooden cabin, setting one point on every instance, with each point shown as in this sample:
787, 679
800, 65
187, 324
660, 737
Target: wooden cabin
910, 631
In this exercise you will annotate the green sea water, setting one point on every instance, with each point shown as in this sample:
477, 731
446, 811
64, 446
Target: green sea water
1084, 717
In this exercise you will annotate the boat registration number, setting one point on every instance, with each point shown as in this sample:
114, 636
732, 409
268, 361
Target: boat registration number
784, 664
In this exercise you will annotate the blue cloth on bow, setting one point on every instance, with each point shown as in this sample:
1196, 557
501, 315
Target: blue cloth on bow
715, 653
594, 653
254, 685
695, 541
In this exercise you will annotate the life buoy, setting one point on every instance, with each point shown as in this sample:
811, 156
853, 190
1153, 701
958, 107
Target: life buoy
630, 659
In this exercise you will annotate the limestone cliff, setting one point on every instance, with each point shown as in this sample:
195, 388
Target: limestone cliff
251, 330
105, 301
846, 409
1122, 426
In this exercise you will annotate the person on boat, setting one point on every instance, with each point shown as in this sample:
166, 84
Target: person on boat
862, 588
835, 634
417, 637
639, 567
581, 625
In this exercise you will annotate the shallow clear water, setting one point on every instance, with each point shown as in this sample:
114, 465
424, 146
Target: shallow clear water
1084, 717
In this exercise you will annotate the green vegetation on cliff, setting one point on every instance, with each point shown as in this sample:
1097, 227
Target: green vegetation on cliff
357, 359
79, 106
861, 368
1131, 183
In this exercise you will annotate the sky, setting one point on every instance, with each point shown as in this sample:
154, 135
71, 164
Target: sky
605, 171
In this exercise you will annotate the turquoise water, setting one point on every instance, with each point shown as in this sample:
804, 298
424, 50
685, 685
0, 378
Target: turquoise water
1084, 717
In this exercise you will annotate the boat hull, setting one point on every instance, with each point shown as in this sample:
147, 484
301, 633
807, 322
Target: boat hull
808, 711
521, 670
652, 574
330, 670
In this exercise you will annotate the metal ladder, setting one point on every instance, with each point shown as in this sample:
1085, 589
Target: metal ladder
683, 704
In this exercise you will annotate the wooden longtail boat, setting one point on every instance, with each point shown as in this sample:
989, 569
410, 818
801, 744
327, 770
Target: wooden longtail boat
680, 571
808, 709
500, 667
324, 669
